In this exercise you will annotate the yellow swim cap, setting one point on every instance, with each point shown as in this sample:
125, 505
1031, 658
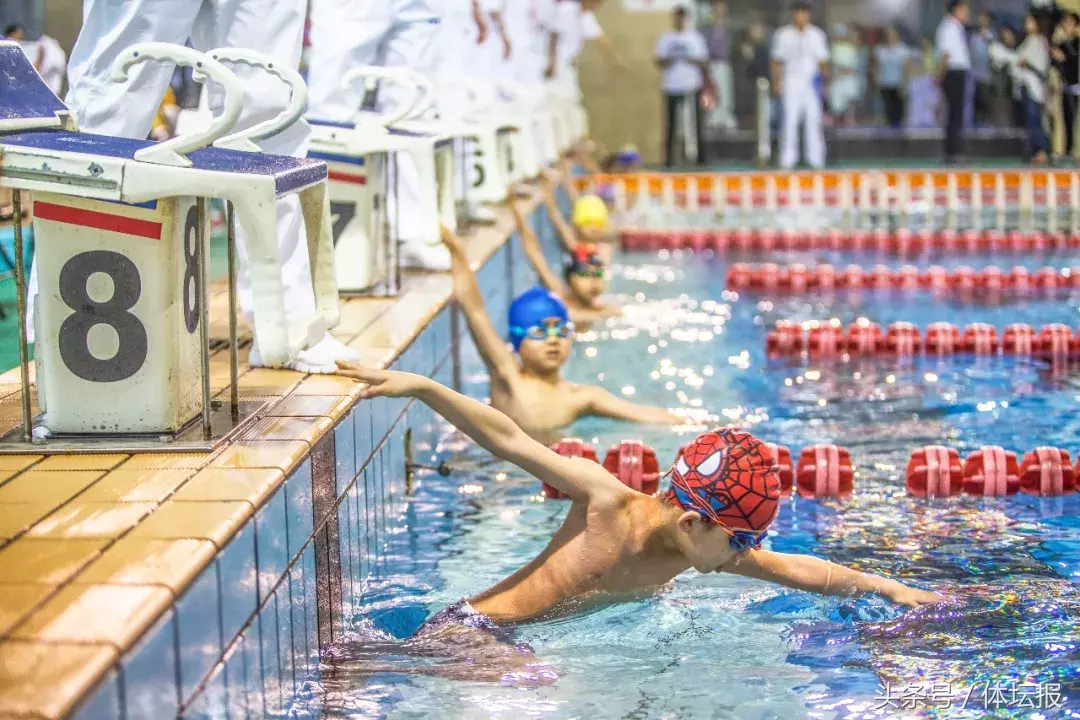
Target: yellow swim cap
590, 212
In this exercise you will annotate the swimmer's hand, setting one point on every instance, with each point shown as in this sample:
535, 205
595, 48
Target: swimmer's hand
382, 383
912, 597
451, 240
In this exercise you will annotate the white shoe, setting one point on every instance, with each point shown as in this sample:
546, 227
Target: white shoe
418, 254
321, 358
480, 214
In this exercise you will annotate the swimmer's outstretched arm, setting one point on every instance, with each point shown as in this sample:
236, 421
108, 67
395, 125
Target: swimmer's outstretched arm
531, 245
566, 230
499, 360
604, 404
579, 478
812, 574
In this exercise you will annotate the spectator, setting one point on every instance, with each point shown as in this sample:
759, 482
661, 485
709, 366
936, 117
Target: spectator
1033, 62
716, 37
952, 50
928, 60
751, 64
800, 54
683, 57
1066, 54
892, 61
981, 40
1002, 57
844, 88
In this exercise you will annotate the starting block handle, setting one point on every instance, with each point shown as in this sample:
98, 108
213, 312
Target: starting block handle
401, 76
172, 152
247, 140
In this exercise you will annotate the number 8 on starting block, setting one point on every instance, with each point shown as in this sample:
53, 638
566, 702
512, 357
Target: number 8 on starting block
118, 315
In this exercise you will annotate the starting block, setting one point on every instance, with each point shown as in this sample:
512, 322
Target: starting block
122, 339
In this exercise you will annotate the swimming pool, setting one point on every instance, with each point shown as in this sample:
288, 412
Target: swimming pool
726, 647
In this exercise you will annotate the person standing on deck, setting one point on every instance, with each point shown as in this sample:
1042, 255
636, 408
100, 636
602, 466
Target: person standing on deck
800, 57
952, 49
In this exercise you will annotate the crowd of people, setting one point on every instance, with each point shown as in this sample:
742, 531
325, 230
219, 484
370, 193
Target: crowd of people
1005, 72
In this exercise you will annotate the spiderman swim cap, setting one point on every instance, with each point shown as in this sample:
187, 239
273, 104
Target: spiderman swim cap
731, 479
531, 309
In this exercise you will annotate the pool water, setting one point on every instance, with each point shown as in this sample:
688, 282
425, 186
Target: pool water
720, 646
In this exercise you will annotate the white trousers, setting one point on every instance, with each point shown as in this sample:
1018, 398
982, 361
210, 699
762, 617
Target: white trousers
723, 115
390, 33
801, 106
274, 27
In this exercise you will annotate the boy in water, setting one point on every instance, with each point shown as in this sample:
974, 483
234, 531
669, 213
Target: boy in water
616, 543
528, 386
583, 274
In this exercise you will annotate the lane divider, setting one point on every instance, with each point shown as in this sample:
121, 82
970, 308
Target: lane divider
901, 243
964, 281
826, 470
903, 339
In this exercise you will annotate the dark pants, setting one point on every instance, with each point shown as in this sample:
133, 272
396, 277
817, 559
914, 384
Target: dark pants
894, 106
1068, 112
674, 107
1033, 112
955, 80
984, 93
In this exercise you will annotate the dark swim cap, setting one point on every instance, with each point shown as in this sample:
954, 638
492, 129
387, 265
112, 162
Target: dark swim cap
584, 257
731, 479
531, 308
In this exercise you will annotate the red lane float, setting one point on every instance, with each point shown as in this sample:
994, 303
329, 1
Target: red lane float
902, 340
1018, 339
569, 447
786, 338
864, 338
782, 457
632, 462
991, 470
1055, 341
901, 242
1047, 471
934, 471
963, 281
824, 341
942, 338
824, 471
635, 465
981, 339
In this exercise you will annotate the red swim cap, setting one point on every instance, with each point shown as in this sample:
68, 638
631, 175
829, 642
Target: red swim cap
730, 478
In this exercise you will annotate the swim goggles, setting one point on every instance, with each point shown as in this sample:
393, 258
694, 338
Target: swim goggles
594, 271
543, 332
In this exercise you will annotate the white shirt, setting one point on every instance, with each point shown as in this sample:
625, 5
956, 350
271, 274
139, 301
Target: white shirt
801, 52
684, 48
574, 27
1036, 56
951, 40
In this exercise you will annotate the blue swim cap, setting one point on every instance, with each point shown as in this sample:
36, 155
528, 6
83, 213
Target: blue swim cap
531, 308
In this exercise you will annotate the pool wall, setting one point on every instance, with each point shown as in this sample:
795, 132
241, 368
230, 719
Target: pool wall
246, 635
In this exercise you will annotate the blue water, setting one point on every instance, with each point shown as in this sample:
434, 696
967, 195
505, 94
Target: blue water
727, 647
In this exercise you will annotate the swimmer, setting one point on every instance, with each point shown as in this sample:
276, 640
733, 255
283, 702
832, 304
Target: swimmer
582, 285
616, 543
590, 221
526, 384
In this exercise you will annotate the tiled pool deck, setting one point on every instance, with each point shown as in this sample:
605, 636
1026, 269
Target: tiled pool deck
147, 586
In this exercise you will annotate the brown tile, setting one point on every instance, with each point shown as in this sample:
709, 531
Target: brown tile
373, 357
214, 521
139, 561
80, 462
47, 485
46, 560
92, 520
18, 462
311, 406
126, 485
166, 461
287, 428
113, 614
329, 385
47, 681
275, 382
283, 454
16, 518
223, 484
18, 601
